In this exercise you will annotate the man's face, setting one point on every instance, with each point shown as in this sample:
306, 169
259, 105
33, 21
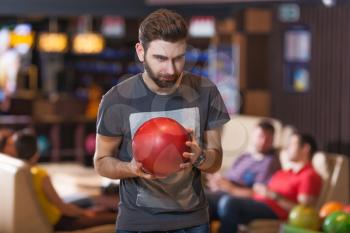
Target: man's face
262, 140
294, 149
164, 61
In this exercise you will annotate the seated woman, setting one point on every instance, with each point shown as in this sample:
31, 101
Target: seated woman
62, 216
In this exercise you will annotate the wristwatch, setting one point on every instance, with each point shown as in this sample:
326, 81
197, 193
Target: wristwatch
200, 160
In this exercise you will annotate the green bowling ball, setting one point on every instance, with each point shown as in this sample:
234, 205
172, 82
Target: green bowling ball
337, 222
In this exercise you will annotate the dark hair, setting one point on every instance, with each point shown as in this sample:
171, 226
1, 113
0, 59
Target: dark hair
162, 24
25, 143
266, 125
306, 139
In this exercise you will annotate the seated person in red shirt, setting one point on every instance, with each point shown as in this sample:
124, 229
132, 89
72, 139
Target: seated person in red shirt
250, 168
287, 188
62, 216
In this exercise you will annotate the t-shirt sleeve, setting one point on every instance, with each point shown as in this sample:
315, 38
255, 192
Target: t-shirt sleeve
217, 110
109, 118
310, 185
235, 171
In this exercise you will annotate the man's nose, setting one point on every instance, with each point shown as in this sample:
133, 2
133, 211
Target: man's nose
170, 69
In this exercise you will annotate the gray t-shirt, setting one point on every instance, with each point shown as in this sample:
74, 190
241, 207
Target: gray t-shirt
178, 200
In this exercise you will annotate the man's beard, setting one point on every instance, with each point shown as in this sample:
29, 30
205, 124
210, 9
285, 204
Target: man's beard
162, 80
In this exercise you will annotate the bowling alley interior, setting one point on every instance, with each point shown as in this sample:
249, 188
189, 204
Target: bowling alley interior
282, 62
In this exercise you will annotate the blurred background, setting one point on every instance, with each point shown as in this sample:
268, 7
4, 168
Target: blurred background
287, 60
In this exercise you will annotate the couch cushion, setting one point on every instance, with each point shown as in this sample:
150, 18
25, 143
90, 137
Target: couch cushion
236, 136
19, 211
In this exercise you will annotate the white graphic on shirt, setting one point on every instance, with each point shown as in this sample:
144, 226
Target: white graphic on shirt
175, 192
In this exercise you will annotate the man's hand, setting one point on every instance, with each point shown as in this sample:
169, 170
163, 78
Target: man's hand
226, 186
218, 183
136, 168
89, 213
261, 190
195, 151
212, 181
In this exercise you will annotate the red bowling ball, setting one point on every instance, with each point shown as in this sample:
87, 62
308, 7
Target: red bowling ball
159, 144
346, 209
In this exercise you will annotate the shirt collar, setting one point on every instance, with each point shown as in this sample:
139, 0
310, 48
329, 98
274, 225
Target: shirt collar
299, 169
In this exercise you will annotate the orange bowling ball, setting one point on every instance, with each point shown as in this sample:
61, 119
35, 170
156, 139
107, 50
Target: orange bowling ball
329, 208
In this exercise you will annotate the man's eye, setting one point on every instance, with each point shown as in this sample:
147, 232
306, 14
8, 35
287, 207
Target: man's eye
179, 58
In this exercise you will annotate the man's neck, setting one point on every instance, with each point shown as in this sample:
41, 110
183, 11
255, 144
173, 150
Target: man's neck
160, 90
296, 166
260, 155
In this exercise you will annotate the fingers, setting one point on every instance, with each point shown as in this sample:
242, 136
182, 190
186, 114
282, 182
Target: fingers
138, 165
188, 155
194, 147
185, 165
142, 173
89, 213
260, 189
189, 130
191, 157
258, 186
190, 144
148, 176
195, 151
191, 134
212, 185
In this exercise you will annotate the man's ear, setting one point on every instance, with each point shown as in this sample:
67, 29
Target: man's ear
140, 51
307, 149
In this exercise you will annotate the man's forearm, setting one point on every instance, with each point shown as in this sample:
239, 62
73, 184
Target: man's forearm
242, 192
282, 201
212, 162
113, 168
286, 204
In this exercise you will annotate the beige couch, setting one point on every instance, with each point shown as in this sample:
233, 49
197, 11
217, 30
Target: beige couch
19, 209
